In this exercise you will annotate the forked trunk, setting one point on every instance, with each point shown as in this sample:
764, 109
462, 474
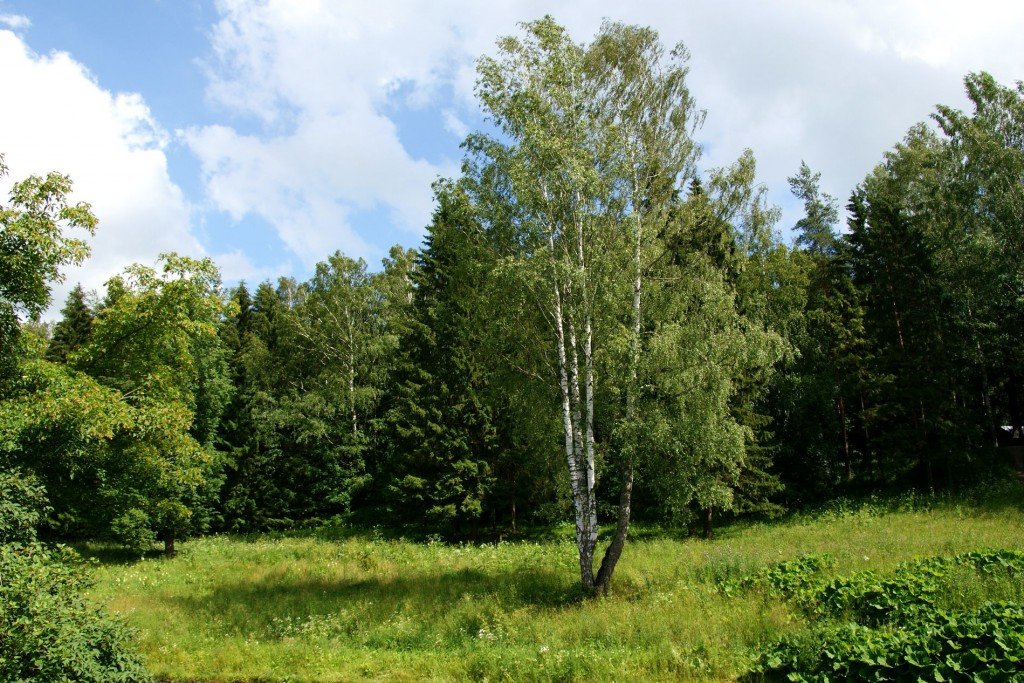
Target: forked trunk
614, 551
573, 449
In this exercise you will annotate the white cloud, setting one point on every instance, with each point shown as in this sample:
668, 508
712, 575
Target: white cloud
310, 94
56, 117
308, 183
834, 82
318, 80
235, 266
15, 22
454, 125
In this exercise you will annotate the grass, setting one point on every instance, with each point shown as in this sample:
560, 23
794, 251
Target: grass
338, 606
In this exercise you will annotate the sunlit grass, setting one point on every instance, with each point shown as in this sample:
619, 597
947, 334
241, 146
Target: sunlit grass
326, 607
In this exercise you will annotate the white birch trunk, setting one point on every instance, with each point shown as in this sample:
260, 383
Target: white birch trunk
586, 508
590, 474
570, 430
614, 551
352, 374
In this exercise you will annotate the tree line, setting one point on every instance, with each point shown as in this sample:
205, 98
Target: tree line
595, 329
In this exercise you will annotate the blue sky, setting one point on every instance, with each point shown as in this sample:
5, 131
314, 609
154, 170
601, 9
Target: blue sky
268, 134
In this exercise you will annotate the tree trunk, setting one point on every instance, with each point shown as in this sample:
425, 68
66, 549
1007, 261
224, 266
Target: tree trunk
580, 505
925, 449
1016, 418
709, 530
169, 550
614, 551
352, 377
866, 451
986, 397
847, 460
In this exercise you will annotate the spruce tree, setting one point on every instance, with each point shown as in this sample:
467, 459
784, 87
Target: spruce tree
816, 402
74, 328
263, 481
445, 439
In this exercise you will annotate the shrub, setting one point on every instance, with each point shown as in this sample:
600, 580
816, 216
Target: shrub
48, 631
787, 579
984, 645
22, 506
133, 530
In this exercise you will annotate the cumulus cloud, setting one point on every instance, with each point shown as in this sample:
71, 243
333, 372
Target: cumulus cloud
318, 80
834, 82
58, 118
454, 125
308, 101
15, 21
236, 266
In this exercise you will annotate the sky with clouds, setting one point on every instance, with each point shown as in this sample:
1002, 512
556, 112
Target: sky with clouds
267, 134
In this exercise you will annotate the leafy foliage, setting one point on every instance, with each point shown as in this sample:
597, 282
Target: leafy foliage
49, 631
874, 627
132, 417
22, 506
983, 645
33, 248
788, 579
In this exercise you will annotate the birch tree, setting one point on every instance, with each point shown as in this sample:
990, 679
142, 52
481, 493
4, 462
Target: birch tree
339, 326
594, 143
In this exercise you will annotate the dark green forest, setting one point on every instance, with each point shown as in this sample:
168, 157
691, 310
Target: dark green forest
596, 328
866, 350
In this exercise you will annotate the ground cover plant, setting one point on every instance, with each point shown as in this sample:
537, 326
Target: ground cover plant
919, 621
337, 605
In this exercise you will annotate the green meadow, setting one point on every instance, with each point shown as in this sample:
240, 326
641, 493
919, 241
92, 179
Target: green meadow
341, 605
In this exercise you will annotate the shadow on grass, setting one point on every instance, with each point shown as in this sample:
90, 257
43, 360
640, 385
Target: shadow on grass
994, 495
361, 608
112, 554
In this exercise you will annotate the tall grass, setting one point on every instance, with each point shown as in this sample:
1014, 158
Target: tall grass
332, 606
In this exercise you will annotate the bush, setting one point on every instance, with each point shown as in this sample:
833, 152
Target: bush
984, 645
22, 506
787, 579
870, 599
132, 530
48, 631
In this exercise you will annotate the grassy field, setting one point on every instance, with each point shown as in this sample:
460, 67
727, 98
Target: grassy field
338, 606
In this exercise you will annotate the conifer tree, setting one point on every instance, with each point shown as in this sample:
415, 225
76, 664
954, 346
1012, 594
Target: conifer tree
74, 328
815, 401
445, 441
